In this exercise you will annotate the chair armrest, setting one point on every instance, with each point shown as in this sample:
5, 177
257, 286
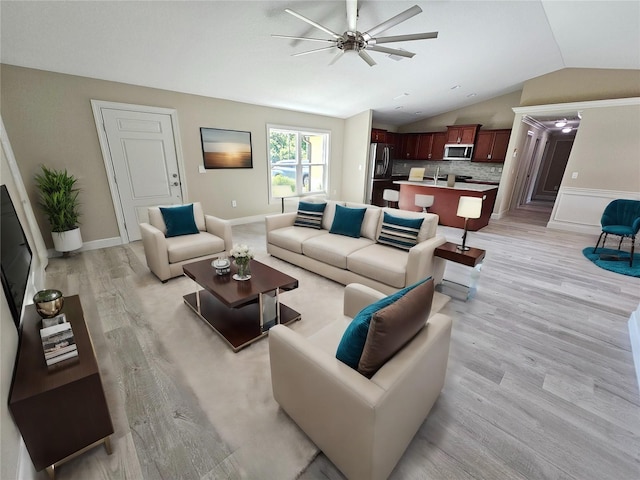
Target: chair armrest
280, 220
155, 250
423, 263
220, 228
332, 403
358, 296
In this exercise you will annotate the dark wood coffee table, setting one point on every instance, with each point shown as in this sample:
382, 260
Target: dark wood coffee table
240, 311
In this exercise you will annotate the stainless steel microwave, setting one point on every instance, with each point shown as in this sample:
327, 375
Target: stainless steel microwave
458, 151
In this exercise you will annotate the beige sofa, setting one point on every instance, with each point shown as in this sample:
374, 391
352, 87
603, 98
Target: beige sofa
166, 256
362, 425
357, 260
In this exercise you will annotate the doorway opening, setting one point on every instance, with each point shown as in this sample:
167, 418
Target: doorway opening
545, 151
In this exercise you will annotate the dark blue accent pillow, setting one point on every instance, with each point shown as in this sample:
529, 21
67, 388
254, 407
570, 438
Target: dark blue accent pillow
347, 221
179, 220
310, 215
354, 337
400, 232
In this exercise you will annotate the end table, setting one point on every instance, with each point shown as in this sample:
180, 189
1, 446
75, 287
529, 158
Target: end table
471, 258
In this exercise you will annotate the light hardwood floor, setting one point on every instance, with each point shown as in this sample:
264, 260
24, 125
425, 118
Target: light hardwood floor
540, 384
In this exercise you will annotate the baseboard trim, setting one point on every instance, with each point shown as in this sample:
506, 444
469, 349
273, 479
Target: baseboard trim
634, 335
93, 245
250, 219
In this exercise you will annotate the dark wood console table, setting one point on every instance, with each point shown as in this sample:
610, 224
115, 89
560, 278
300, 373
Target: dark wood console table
60, 411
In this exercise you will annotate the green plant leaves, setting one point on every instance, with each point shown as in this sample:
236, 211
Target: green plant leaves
59, 198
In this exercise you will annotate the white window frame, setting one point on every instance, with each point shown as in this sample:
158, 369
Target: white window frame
298, 166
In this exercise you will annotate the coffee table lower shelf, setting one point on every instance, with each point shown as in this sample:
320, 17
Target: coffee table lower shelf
239, 327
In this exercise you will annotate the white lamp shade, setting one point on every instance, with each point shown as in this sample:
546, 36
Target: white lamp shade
391, 195
470, 207
424, 201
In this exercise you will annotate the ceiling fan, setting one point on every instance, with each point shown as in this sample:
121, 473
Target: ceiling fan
354, 41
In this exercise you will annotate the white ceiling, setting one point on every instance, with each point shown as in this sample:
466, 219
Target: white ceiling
224, 49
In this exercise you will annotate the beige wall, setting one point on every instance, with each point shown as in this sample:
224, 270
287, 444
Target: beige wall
494, 113
49, 121
356, 153
580, 84
606, 152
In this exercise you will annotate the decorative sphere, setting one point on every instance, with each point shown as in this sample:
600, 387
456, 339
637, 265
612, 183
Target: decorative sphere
48, 302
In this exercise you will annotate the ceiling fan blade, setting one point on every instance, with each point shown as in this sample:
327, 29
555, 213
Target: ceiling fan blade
352, 14
336, 58
313, 51
404, 38
393, 21
390, 51
311, 22
366, 57
303, 38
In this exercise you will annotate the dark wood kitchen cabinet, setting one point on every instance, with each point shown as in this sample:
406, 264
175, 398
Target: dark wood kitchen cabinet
431, 146
59, 411
409, 146
465, 134
378, 135
491, 146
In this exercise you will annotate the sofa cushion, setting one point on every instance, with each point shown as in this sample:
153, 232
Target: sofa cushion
381, 263
399, 232
310, 215
155, 217
179, 220
292, 238
333, 249
186, 247
347, 221
392, 327
352, 342
429, 223
329, 213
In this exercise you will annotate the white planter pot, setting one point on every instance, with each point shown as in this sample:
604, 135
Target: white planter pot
67, 241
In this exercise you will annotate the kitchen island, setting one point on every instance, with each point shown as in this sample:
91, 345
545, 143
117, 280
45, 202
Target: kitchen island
445, 203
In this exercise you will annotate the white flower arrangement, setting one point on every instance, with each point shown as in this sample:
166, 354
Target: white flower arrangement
241, 251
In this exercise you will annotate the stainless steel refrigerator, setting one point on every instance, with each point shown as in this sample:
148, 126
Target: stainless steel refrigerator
380, 166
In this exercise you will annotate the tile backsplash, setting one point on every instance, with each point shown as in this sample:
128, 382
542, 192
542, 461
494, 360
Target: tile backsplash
486, 172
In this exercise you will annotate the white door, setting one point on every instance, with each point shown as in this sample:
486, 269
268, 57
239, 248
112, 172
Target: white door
144, 161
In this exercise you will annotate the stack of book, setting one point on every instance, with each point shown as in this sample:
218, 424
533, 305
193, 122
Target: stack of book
58, 342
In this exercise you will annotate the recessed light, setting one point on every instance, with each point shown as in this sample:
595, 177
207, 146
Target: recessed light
401, 96
418, 113
471, 95
566, 130
561, 123
399, 107
456, 87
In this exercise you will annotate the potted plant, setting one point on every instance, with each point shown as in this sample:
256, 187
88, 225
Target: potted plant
59, 200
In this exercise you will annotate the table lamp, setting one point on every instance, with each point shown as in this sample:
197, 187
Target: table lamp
468, 207
424, 201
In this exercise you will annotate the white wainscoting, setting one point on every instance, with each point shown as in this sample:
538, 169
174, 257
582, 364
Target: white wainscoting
580, 209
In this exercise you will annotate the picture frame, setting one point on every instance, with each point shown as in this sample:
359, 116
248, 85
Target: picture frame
226, 148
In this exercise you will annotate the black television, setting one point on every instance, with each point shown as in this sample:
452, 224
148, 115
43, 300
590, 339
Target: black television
15, 256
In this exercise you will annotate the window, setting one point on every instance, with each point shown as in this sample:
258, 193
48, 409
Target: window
298, 161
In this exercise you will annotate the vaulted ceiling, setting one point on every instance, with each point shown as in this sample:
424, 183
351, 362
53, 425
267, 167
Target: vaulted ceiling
224, 49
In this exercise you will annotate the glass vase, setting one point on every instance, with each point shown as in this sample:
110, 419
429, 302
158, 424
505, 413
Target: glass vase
244, 272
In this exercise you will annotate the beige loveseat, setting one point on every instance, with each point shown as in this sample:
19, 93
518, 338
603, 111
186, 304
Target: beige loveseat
357, 260
166, 256
362, 425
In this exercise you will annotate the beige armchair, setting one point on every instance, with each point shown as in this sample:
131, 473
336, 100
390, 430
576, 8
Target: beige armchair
166, 256
362, 425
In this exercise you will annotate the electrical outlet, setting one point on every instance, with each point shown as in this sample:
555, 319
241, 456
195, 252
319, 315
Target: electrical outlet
234, 204
574, 175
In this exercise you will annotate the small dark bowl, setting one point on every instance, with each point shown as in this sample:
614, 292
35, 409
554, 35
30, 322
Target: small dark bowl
48, 302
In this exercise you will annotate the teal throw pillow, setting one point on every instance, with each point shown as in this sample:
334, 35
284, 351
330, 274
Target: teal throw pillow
399, 232
179, 220
347, 221
310, 215
354, 337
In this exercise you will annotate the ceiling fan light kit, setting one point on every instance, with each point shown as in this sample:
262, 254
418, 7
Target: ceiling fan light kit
354, 41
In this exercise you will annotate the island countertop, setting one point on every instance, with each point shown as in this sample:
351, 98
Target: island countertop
474, 187
446, 199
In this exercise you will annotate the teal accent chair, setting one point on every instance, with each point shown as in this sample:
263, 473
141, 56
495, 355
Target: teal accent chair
622, 218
